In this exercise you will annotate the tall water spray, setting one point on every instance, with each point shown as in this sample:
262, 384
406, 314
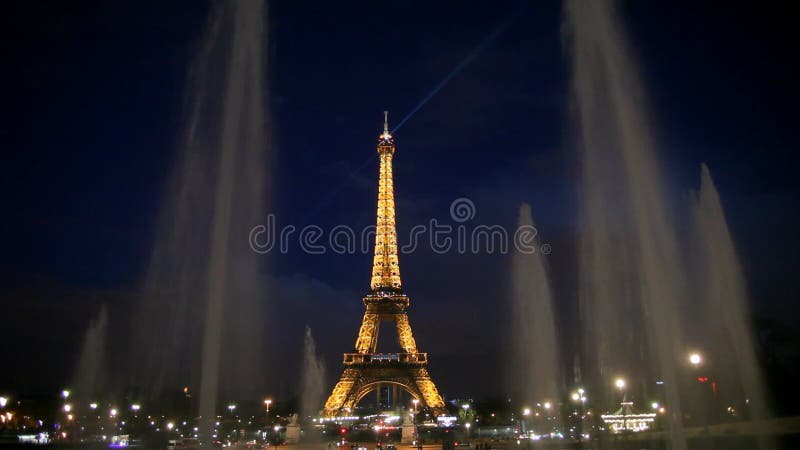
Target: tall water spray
88, 378
203, 289
723, 290
631, 277
313, 378
535, 363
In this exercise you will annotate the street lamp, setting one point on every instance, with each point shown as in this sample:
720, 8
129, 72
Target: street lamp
93, 405
620, 384
581, 395
415, 401
67, 407
578, 396
267, 402
136, 407
523, 423
704, 410
113, 412
3, 402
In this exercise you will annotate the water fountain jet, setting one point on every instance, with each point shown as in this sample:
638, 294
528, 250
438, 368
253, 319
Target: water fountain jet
88, 377
535, 363
313, 383
203, 288
631, 275
723, 290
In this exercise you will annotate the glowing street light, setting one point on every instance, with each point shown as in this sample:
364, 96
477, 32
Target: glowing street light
67, 408
65, 394
654, 405
112, 412
170, 426
3, 402
620, 383
93, 405
547, 405
136, 407
267, 402
465, 406
695, 359
578, 396
526, 412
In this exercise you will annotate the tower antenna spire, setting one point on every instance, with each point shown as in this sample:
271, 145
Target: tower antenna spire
386, 122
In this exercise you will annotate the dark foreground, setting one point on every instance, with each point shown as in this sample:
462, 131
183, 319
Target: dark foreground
708, 443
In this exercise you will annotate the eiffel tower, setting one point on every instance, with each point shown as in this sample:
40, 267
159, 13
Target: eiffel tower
365, 370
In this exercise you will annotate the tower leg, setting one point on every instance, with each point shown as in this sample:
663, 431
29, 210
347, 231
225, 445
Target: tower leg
430, 395
404, 334
368, 334
341, 392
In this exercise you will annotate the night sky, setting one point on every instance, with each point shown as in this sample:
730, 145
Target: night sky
91, 113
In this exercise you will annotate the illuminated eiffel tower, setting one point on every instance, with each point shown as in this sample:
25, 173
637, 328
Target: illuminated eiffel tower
365, 370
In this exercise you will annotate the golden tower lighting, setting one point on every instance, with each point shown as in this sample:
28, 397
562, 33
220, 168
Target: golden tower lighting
366, 370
